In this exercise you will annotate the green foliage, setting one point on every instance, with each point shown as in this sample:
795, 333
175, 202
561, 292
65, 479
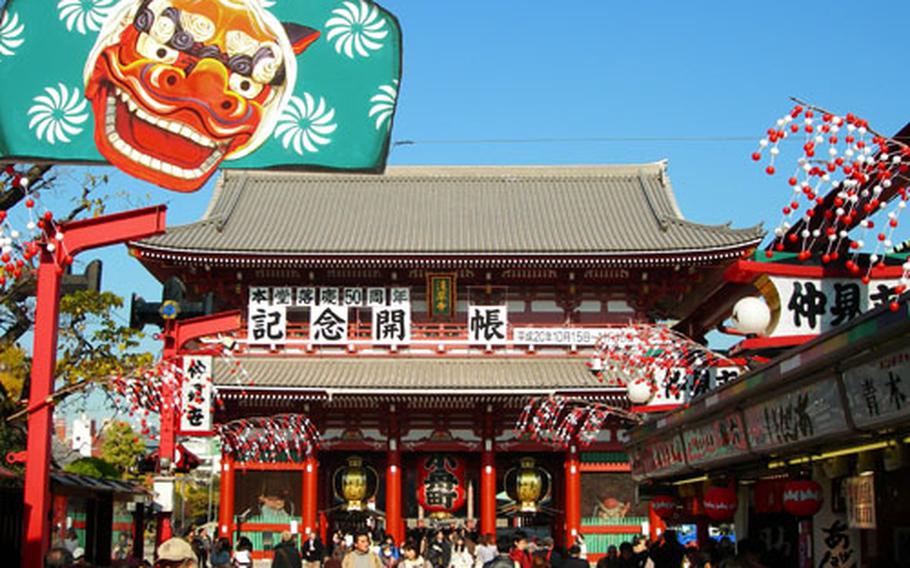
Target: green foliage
122, 448
93, 467
93, 345
14, 367
193, 496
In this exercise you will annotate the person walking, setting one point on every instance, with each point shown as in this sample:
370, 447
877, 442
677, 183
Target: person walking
312, 551
503, 559
667, 552
486, 550
360, 555
574, 560
411, 558
460, 557
439, 551
286, 554
519, 551
221, 553
243, 557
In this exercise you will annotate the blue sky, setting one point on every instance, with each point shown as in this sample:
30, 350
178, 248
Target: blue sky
510, 69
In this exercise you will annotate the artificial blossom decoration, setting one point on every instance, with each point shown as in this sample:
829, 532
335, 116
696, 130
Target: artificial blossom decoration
848, 189
564, 421
269, 438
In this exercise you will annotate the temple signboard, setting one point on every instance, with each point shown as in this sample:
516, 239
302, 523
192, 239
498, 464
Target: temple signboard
660, 457
196, 395
798, 416
488, 325
879, 391
578, 336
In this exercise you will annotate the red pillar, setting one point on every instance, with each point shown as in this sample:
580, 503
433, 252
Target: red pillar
573, 495
488, 489
77, 236
226, 497
394, 521
310, 494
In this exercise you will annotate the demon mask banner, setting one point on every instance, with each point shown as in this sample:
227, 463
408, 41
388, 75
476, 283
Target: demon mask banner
170, 90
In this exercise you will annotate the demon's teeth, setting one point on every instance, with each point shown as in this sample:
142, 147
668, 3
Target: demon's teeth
163, 123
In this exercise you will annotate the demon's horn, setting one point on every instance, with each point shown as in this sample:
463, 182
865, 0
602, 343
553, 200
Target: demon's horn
301, 36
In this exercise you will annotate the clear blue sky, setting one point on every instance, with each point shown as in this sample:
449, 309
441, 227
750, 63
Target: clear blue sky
510, 69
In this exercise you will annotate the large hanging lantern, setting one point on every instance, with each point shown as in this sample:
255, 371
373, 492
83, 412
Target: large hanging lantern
664, 506
802, 497
355, 484
720, 503
440, 484
768, 494
528, 485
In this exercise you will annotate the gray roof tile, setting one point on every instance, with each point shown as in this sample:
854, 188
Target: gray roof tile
450, 210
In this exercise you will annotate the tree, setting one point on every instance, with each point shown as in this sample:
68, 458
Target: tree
122, 448
92, 467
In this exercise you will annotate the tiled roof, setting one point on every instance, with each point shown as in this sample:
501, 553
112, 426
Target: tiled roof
410, 374
620, 209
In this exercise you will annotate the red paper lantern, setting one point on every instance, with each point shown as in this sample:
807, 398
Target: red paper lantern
440, 484
802, 497
720, 503
663, 506
769, 494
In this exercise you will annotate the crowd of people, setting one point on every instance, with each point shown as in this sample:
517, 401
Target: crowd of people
451, 548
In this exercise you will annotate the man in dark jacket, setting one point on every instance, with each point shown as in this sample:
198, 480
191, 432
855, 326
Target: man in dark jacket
439, 551
313, 551
574, 560
504, 559
286, 555
667, 553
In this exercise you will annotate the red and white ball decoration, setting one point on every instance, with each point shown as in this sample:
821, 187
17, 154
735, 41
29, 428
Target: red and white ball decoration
269, 439
720, 503
802, 497
564, 421
848, 188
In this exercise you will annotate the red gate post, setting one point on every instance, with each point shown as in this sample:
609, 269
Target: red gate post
178, 333
77, 236
572, 495
226, 497
393, 518
488, 478
310, 494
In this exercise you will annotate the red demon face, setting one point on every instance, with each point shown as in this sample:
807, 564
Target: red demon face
177, 86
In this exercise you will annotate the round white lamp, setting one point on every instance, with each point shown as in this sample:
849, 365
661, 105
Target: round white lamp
751, 316
639, 392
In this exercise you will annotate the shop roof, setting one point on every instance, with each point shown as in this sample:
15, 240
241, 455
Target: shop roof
420, 376
466, 210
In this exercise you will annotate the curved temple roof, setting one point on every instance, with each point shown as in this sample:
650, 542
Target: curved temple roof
450, 210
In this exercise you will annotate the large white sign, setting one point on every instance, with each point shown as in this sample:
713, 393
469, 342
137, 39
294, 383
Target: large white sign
674, 387
809, 306
392, 325
488, 325
267, 324
196, 394
328, 324
558, 335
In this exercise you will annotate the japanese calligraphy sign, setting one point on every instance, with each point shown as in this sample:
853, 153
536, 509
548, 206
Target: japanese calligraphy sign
267, 324
168, 91
488, 325
282, 296
861, 502
837, 548
196, 394
259, 296
577, 336
376, 297
440, 484
674, 386
352, 297
879, 391
441, 295
400, 297
812, 306
328, 325
392, 325
660, 457
716, 440
797, 416
306, 296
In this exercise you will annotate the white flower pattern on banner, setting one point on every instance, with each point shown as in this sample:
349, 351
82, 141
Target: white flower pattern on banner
84, 15
58, 114
356, 28
267, 3
10, 33
305, 124
384, 104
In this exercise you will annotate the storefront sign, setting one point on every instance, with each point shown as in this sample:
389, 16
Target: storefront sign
441, 295
488, 325
797, 416
196, 395
676, 387
577, 336
811, 306
267, 324
719, 439
663, 457
879, 391
861, 502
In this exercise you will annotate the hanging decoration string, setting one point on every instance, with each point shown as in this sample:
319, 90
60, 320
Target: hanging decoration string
269, 439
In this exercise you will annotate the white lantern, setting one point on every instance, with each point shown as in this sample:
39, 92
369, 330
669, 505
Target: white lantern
751, 316
639, 392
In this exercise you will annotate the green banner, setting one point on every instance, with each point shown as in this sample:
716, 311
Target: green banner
171, 90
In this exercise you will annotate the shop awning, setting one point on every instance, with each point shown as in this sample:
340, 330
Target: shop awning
835, 391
